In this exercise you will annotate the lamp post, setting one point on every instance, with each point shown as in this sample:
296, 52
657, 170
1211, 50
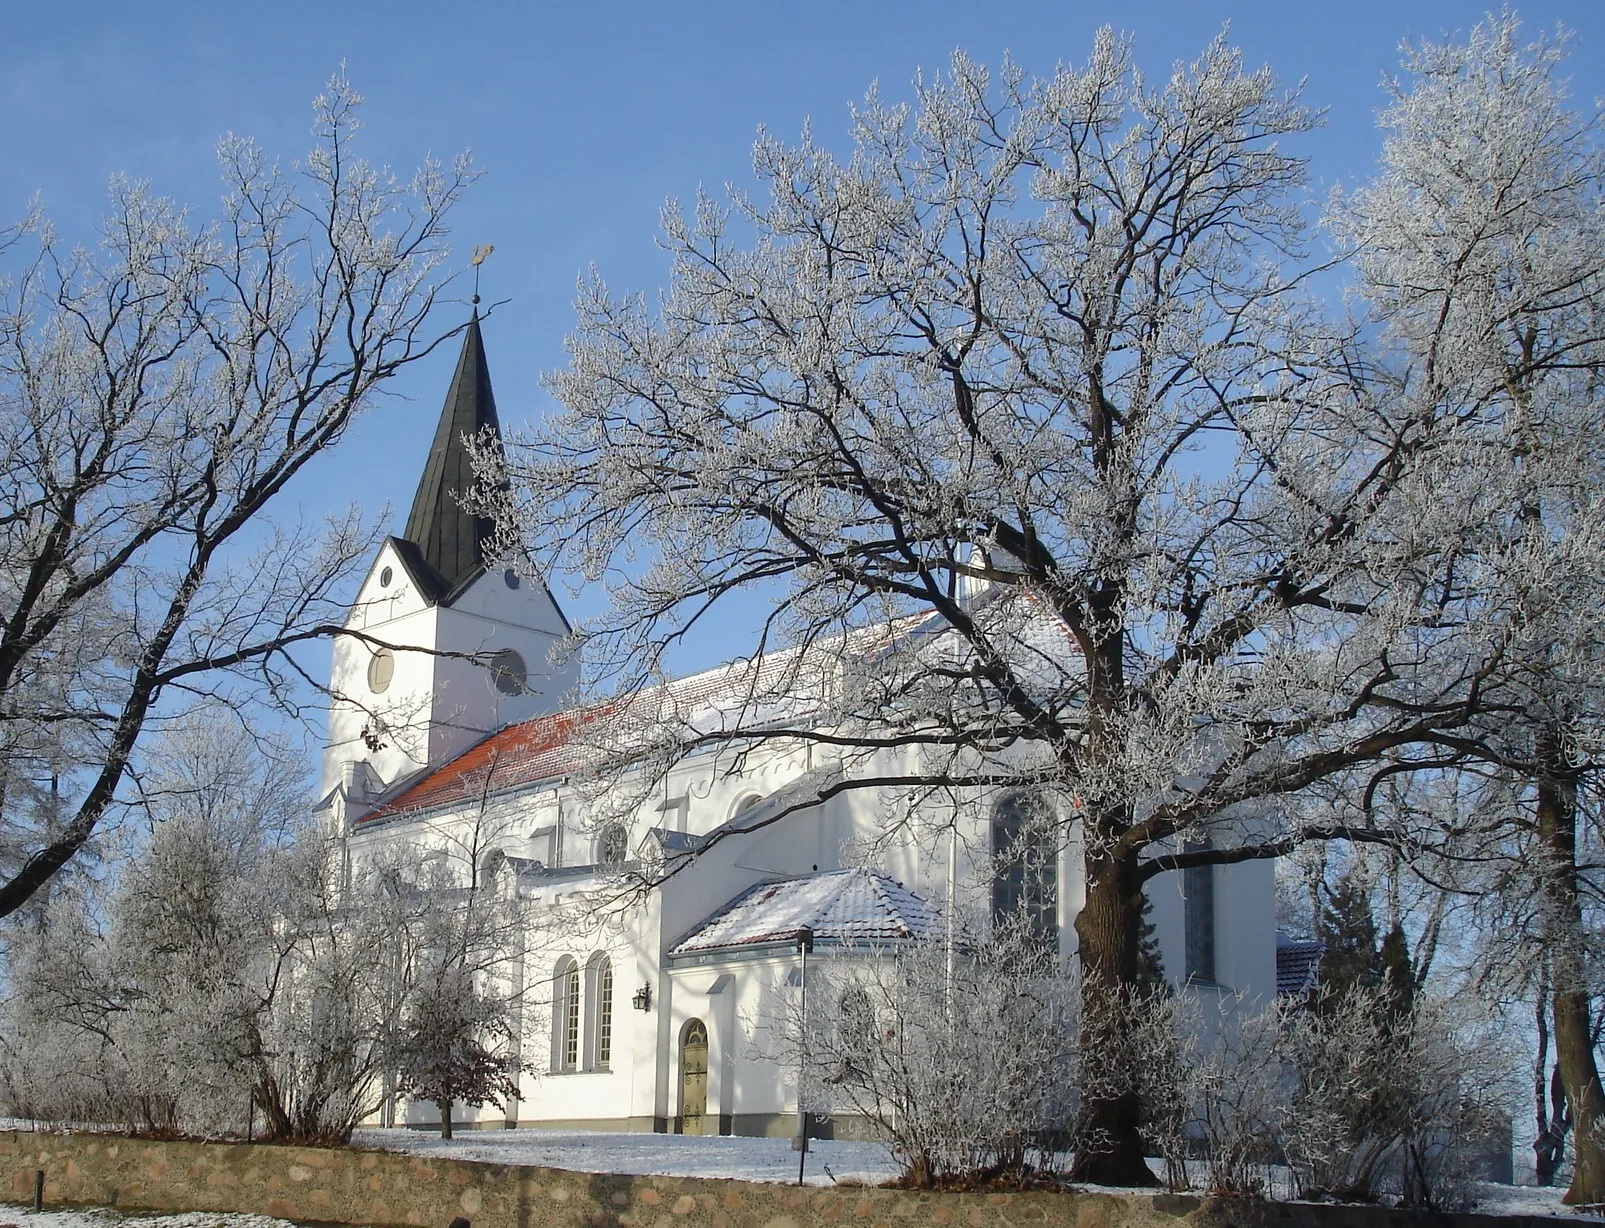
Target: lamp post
805, 944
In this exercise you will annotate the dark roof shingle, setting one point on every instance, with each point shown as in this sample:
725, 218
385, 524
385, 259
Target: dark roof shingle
450, 541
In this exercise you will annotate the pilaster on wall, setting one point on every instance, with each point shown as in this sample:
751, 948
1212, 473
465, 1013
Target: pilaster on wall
722, 1034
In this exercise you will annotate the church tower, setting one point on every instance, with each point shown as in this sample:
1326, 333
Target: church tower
452, 648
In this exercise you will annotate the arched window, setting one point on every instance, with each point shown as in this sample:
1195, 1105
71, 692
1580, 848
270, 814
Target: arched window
613, 845
855, 1029
1025, 866
1198, 914
566, 1015
599, 1000
746, 804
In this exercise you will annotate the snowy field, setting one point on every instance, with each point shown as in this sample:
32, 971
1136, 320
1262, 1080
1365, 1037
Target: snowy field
667, 1155
769, 1159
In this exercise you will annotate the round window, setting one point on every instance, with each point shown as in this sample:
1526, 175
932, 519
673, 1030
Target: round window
385, 576
508, 673
381, 669
511, 578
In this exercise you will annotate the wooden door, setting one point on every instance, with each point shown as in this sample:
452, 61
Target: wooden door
694, 1079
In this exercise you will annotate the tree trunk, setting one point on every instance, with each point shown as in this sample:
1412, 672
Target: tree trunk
1109, 1148
1574, 1042
445, 1117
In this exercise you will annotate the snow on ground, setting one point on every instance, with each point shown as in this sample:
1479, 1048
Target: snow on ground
669, 1155
16, 1217
1529, 1200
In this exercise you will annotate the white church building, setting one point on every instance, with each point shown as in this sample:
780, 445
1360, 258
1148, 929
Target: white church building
659, 1005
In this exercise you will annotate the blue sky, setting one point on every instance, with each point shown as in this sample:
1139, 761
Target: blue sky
585, 116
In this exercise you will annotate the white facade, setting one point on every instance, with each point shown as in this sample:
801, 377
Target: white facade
436, 752
544, 826
441, 697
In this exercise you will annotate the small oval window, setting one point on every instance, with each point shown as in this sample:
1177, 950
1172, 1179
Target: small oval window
511, 577
508, 673
385, 576
381, 670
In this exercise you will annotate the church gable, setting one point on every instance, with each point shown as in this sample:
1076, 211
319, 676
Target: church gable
512, 596
392, 588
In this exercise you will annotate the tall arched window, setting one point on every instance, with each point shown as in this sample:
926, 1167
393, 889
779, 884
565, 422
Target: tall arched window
855, 1028
599, 998
1198, 914
566, 1015
1025, 866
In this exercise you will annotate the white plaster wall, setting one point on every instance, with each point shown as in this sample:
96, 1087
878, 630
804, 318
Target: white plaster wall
404, 708
438, 706
746, 1075
1245, 921
744, 1004
1245, 927
1169, 922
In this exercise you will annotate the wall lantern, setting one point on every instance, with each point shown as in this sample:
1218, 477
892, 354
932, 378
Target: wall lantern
642, 999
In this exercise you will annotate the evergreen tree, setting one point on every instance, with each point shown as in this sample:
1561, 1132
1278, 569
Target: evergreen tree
1346, 926
1150, 967
1398, 977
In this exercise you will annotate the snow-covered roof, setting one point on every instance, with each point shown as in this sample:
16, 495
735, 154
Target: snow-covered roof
741, 696
550, 747
842, 907
1298, 965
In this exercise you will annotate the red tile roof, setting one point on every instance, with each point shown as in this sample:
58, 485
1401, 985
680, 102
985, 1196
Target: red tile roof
552, 746
518, 755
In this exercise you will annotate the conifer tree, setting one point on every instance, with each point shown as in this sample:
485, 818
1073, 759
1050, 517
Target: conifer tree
1150, 966
1346, 926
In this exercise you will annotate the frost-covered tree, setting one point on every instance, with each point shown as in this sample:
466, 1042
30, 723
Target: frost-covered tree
961, 1048
142, 998
455, 1041
1481, 248
458, 1040
159, 387
1033, 361
233, 974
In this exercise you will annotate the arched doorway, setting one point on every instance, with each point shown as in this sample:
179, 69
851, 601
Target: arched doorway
694, 1078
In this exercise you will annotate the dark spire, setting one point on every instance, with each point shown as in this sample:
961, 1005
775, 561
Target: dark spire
448, 538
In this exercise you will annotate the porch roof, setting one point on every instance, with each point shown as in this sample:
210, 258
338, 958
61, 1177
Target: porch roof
862, 908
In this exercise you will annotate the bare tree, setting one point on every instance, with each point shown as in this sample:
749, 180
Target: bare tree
456, 1042
1481, 247
234, 971
960, 1048
158, 390
460, 1036
1033, 366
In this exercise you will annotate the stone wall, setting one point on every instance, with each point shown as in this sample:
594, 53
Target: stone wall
380, 1188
